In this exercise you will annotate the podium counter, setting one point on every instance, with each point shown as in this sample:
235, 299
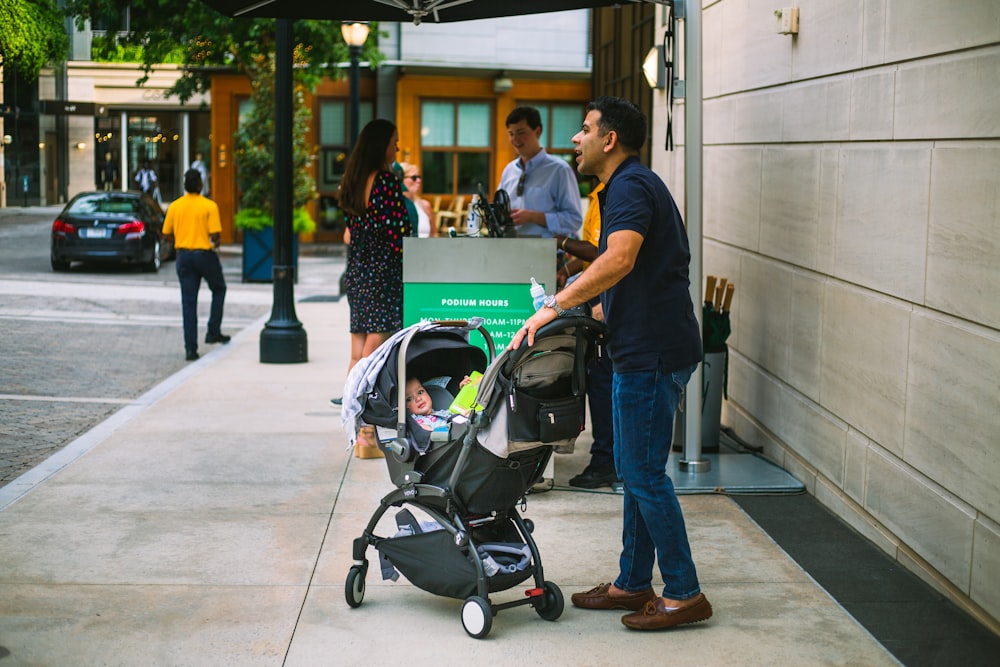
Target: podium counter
459, 278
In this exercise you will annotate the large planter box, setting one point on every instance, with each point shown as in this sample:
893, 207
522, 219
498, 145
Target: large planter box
258, 255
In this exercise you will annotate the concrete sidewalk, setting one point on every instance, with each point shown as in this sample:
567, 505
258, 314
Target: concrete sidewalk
211, 523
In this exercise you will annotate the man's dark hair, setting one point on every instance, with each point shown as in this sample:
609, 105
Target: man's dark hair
529, 114
192, 180
624, 118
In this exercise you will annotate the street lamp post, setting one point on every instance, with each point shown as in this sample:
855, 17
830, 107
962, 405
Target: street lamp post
355, 35
283, 339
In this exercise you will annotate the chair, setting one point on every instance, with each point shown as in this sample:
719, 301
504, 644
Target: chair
453, 216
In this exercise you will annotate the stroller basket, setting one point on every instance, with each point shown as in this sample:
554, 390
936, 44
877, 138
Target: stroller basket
435, 564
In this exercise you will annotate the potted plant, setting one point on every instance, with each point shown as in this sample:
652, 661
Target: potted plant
255, 178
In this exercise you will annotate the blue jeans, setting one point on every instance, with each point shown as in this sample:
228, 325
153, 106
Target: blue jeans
192, 266
644, 404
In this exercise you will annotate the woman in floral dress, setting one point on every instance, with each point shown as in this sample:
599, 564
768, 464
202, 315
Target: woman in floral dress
372, 200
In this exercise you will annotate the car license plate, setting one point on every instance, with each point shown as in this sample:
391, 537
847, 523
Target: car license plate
94, 233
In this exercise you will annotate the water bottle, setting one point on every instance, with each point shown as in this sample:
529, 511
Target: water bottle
537, 294
472, 222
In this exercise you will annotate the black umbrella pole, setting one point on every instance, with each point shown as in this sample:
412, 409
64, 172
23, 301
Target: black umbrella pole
283, 340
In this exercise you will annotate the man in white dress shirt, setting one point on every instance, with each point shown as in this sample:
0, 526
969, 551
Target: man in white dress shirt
544, 195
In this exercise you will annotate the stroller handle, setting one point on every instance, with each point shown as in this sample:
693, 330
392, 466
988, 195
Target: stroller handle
594, 328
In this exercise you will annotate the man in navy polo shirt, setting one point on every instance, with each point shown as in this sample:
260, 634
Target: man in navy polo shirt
641, 275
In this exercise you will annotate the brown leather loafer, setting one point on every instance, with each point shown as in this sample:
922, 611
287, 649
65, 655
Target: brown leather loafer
655, 616
598, 597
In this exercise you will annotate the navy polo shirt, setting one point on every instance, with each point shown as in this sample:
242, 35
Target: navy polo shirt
649, 314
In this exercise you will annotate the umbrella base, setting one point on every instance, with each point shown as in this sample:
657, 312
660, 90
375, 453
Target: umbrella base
732, 472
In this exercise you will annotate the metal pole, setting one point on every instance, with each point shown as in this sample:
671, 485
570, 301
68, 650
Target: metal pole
283, 340
123, 172
354, 117
355, 94
692, 460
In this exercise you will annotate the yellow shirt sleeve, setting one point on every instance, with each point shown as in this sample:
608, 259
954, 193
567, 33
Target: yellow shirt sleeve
592, 220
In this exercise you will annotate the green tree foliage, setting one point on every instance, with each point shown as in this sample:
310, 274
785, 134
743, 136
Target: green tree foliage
255, 159
211, 42
31, 36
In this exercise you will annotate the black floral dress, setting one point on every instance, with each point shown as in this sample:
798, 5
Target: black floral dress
375, 268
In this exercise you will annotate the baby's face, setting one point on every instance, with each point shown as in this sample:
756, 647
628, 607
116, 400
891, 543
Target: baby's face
418, 401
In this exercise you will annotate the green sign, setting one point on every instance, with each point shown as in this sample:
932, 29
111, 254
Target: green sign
503, 306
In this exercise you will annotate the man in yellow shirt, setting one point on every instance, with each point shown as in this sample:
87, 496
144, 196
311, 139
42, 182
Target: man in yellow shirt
194, 226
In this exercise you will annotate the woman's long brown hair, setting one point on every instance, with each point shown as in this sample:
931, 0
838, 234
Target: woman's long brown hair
368, 156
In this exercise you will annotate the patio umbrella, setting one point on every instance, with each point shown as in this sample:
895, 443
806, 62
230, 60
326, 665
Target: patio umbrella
402, 10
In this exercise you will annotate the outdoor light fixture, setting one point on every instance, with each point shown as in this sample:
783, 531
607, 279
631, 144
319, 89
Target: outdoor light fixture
654, 69
354, 34
80, 146
502, 84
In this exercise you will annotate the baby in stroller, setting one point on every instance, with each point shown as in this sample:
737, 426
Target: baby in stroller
420, 406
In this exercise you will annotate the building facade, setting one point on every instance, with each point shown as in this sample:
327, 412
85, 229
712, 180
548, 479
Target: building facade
87, 124
850, 179
448, 87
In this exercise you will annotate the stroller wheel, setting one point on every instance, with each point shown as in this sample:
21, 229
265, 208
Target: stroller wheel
354, 589
550, 605
477, 617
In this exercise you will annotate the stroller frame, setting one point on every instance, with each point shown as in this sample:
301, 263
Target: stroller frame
477, 610
462, 531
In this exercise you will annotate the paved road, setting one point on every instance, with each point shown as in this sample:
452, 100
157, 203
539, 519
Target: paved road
77, 346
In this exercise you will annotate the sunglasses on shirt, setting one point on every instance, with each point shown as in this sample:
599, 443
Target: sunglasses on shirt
520, 184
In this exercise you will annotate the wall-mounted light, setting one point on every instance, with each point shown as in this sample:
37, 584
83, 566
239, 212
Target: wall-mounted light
7, 140
502, 84
80, 146
654, 69
788, 20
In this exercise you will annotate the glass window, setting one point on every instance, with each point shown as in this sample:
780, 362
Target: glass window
437, 169
333, 140
474, 125
566, 122
560, 122
246, 106
456, 148
332, 123
334, 128
473, 170
437, 124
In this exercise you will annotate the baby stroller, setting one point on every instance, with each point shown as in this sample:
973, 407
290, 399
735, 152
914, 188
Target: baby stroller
470, 477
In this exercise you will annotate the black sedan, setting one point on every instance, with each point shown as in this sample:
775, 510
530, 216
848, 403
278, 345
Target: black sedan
110, 227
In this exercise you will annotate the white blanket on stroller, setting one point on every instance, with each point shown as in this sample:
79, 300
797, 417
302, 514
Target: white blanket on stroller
361, 380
